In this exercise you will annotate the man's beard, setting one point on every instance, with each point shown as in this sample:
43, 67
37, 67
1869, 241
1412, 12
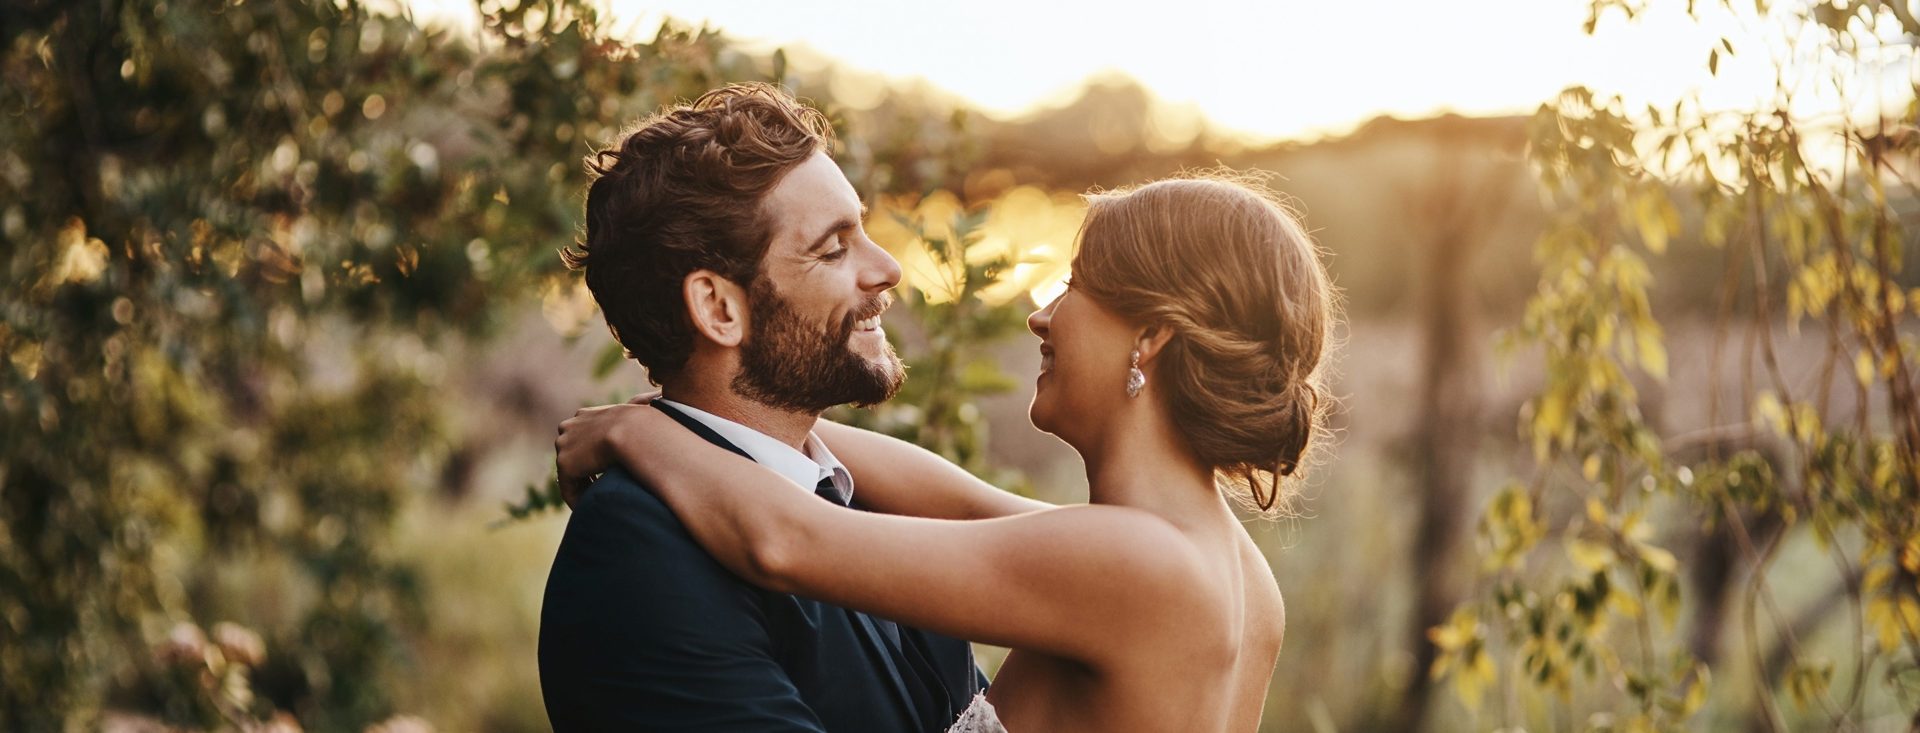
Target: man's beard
792, 364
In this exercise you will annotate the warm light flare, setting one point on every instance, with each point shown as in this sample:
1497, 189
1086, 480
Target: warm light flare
1034, 229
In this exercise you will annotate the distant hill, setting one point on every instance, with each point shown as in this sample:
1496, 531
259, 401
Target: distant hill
1373, 197
1110, 135
1376, 198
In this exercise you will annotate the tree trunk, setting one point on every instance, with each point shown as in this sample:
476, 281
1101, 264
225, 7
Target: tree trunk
1444, 441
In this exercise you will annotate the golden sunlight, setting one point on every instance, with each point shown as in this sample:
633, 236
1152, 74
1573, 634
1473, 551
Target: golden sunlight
1267, 70
1034, 229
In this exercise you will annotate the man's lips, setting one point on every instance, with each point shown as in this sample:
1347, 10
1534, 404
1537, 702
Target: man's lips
870, 320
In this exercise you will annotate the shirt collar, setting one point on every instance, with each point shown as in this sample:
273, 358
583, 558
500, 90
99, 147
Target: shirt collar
807, 469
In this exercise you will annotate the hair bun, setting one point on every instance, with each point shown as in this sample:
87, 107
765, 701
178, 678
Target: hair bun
1300, 415
1225, 267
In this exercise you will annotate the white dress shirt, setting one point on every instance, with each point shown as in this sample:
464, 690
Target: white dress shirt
807, 469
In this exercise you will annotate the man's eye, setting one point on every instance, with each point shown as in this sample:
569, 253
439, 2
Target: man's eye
835, 255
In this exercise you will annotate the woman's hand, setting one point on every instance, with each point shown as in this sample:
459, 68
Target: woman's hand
585, 446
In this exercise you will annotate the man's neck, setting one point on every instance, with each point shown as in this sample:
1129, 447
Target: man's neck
787, 427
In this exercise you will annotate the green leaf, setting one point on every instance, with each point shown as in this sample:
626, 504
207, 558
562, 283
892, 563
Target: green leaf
985, 377
538, 500
608, 359
1771, 414
1589, 556
1659, 558
1653, 354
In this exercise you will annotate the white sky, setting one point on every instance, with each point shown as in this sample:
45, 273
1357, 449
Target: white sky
1282, 68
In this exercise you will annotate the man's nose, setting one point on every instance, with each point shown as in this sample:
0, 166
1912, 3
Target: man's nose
882, 271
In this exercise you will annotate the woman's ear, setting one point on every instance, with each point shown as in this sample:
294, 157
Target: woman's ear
1150, 341
717, 306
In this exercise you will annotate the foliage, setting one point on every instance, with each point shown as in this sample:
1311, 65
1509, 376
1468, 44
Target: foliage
1595, 609
241, 234
236, 236
208, 679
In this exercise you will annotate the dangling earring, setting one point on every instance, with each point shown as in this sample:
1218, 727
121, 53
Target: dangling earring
1135, 378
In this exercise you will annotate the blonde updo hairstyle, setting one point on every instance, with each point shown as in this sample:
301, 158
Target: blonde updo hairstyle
1221, 263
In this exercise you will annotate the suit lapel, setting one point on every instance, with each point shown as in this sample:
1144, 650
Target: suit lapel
884, 652
878, 648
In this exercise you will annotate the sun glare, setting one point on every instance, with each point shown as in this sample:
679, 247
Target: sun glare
1269, 70
1281, 70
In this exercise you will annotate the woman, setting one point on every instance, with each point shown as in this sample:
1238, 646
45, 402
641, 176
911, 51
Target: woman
1183, 364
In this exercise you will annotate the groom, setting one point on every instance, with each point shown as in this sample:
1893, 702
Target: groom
726, 250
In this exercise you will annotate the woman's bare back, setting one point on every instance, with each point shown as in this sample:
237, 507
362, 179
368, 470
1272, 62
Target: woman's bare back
1207, 675
1262, 629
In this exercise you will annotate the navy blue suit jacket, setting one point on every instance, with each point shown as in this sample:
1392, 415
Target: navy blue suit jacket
642, 630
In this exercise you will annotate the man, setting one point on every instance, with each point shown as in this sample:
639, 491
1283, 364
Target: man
726, 250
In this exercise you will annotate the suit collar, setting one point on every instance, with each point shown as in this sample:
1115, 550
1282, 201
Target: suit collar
808, 468
699, 428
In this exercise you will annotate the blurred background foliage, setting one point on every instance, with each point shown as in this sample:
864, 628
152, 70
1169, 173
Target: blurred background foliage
1629, 440
1765, 554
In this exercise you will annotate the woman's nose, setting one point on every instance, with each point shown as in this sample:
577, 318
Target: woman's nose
1039, 320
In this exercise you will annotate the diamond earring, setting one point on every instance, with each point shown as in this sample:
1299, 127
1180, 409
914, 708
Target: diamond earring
1135, 378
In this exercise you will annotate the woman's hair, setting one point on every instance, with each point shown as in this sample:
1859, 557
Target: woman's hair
682, 192
1223, 265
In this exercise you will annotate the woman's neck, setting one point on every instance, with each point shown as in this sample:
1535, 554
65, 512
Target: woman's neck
1139, 461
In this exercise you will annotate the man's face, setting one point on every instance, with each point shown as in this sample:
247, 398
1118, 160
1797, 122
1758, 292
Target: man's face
814, 338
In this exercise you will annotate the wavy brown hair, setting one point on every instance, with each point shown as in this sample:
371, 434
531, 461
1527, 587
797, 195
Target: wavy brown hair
1221, 263
682, 192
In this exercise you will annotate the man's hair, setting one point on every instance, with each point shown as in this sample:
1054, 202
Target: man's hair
682, 192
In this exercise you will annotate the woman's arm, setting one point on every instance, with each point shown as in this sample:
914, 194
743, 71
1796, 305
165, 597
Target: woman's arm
1066, 581
894, 476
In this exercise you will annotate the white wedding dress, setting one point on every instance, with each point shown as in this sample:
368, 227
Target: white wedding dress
978, 718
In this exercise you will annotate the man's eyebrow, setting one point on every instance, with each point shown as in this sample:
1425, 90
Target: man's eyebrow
838, 226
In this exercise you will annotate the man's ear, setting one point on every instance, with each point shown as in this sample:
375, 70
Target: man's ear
1150, 341
717, 306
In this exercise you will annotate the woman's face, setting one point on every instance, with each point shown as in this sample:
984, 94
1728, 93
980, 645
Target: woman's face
1085, 353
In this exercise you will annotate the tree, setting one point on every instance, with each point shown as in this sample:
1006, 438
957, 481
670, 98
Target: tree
1806, 237
1458, 206
235, 235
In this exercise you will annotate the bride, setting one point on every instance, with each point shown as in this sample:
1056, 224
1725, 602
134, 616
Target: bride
1183, 363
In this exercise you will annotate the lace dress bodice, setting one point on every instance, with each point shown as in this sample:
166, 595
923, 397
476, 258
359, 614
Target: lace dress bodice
978, 718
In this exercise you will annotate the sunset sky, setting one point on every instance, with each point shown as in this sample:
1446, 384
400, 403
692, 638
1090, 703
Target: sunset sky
1271, 69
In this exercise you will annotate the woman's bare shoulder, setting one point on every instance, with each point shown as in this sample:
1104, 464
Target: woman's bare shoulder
1158, 558
1137, 533
1266, 607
